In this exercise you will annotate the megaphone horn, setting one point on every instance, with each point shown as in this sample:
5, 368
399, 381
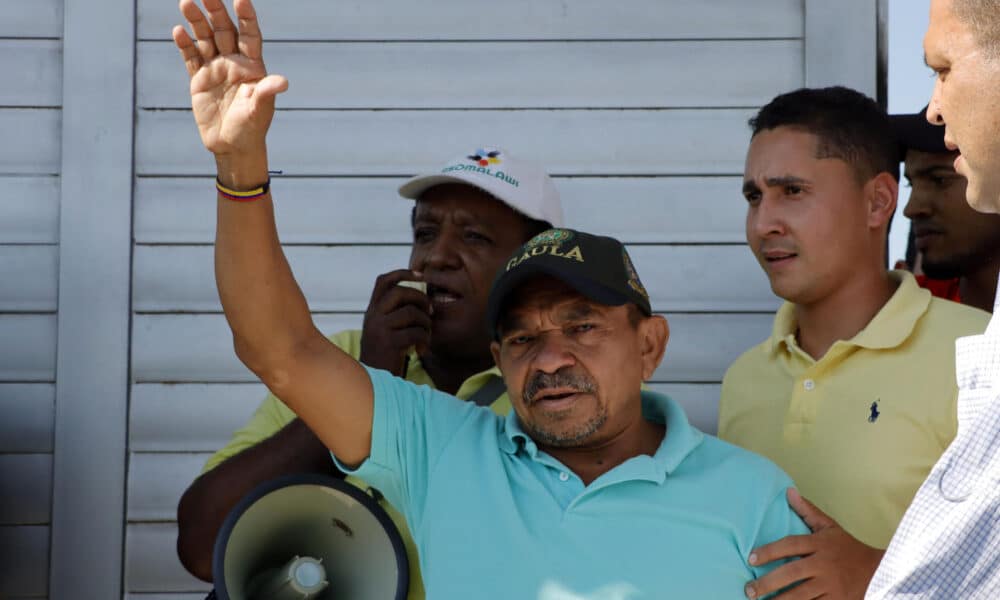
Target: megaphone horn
309, 537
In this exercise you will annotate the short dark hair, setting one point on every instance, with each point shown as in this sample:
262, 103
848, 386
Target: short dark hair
848, 125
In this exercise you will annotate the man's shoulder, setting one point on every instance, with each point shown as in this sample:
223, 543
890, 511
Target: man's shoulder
750, 362
954, 319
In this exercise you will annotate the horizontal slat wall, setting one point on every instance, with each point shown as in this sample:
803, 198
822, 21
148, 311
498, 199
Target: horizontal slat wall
33, 136
35, 19
638, 109
29, 210
172, 210
34, 68
24, 552
30, 116
562, 74
572, 142
198, 348
182, 278
511, 20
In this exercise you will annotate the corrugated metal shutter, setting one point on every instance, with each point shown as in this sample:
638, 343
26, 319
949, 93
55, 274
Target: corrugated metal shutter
638, 108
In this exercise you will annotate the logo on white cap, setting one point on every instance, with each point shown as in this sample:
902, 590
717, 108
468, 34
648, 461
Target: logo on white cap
485, 158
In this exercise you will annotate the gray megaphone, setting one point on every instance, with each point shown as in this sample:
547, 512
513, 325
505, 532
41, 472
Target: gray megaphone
309, 537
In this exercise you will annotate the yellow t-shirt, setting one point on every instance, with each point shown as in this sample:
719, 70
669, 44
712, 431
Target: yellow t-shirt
272, 416
858, 430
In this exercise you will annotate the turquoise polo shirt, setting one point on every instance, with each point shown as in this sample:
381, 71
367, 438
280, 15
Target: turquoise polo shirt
495, 517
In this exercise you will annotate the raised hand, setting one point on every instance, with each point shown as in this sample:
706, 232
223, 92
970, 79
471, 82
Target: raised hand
398, 318
232, 96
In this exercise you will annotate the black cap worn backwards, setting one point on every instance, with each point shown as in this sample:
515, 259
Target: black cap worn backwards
913, 131
596, 266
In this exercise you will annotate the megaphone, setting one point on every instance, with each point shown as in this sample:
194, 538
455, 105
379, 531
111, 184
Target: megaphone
309, 537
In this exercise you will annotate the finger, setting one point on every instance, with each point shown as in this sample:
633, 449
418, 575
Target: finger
387, 281
408, 316
201, 28
222, 25
782, 577
787, 547
250, 40
189, 52
810, 589
269, 87
399, 297
814, 517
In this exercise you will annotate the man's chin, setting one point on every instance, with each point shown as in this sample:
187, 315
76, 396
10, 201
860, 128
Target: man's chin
983, 198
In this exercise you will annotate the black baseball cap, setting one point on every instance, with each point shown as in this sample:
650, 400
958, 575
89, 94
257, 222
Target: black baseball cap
913, 131
597, 266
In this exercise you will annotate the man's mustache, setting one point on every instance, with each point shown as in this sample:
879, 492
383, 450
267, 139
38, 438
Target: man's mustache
578, 382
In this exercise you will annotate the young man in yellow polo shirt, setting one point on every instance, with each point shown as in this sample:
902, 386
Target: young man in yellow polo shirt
854, 393
466, 222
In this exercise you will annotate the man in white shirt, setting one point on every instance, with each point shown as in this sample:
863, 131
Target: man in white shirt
948, 544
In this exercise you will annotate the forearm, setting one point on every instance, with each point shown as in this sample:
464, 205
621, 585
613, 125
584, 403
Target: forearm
273, 332
205, 504
263, 304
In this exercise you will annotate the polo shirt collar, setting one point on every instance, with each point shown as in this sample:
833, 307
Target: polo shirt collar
679, 441
891, 326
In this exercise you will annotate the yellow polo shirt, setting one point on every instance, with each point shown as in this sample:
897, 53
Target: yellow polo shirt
272, 416
858, 430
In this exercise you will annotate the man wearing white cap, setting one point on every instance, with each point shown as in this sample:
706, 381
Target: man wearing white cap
468, 217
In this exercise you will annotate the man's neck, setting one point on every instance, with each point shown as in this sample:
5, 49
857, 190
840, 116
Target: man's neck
448, 374
589, 463
842, 315
979, 287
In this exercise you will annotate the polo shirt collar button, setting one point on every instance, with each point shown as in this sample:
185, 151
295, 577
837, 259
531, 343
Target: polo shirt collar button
564, 476
808, 384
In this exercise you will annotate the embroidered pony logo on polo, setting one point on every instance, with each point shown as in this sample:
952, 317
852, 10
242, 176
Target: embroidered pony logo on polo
873, 412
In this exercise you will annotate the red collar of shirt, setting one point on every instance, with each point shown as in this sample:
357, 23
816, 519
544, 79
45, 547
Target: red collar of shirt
942, 288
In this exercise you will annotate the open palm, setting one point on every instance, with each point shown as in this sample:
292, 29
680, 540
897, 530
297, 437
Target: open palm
232, 96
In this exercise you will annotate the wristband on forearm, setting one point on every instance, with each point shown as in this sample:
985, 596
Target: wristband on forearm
242, 196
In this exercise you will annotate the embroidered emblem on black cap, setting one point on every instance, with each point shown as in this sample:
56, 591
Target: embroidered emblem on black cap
633, 276
549, 237
485, 158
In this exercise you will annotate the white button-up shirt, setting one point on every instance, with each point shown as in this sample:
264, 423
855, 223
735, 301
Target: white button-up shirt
948, 543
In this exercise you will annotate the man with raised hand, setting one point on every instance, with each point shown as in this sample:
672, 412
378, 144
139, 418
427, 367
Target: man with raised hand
853, 394
467, 218
591, 488
948, 544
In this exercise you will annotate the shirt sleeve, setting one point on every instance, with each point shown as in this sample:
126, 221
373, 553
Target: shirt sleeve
411, 427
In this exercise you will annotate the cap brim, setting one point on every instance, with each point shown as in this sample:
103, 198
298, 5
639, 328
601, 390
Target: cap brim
914, 132
588, 287
416, 186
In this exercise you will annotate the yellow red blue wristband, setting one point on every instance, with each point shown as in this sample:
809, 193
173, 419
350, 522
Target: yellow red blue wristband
242, 195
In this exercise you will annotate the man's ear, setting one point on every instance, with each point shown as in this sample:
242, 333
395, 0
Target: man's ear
882, 193
654, 332
495, 351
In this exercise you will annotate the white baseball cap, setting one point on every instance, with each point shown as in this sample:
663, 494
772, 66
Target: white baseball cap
521, 185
